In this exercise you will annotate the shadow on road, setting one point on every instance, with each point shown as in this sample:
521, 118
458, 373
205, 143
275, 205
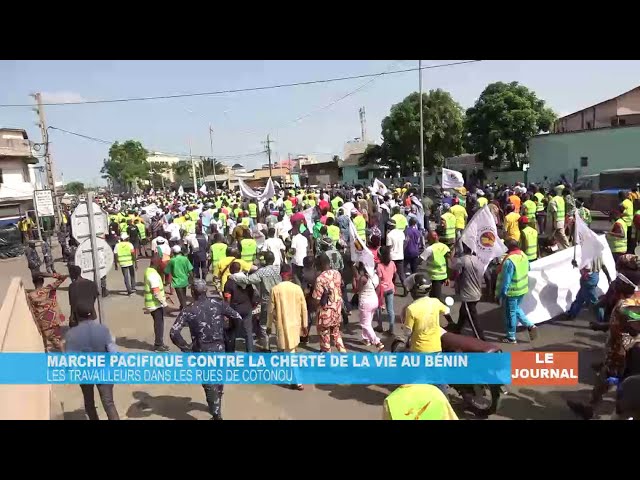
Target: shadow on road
167, 406
78, 414
361, 393
133, 343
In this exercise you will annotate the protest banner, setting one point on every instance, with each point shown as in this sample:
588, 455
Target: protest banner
248, 192
452, 179
481, 236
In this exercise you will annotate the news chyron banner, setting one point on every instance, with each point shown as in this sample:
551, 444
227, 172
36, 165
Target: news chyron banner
517, 368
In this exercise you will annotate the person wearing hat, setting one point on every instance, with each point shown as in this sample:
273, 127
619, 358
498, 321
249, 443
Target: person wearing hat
617, 236
556, 212
125, 257
481, 199
181, 271
528, 239
205, 318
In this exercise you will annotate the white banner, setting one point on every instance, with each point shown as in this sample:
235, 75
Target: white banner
481, 236
248, 192
554, 283
359, 250
308, 217
203, 189
591, 246
379, 187
451, 178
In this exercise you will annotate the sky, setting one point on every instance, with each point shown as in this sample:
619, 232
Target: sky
300, 120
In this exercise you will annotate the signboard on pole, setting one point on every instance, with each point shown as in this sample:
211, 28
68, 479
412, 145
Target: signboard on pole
44, 203
80, 222
84, 258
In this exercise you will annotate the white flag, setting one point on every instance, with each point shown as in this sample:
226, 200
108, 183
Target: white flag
481, 236
248, 192
308, 216
451, 179
180, 191
359, 250
203, 189
590, 246
379, 187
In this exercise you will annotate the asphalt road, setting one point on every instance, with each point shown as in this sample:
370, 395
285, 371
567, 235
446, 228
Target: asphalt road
133, 331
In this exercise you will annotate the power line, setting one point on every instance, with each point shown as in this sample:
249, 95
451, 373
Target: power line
186, 155
240, 90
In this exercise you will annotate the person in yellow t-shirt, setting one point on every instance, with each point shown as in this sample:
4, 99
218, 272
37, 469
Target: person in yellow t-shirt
511, 227
418, 402
461, 215
222, 270
422, 317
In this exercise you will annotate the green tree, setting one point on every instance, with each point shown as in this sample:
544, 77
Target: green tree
209, 165
127, 163
503, 119
74, 188
443, 129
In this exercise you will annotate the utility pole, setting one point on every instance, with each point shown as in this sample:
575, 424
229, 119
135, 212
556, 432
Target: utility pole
421, 130
215, 180
268, 144
363, 126
193, 170
48, 163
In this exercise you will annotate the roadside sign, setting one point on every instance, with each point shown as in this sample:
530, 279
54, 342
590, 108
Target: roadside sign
84, 258
80, 221
44, 203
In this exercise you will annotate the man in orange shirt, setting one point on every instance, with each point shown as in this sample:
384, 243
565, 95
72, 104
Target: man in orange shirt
515, 200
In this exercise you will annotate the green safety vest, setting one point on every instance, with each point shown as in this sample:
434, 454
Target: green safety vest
437, 263
253, 210
627, 212
520, 280
193, 215
401, 221
334, 233
223, 218
249, 249
560, 204
449, 234
408, 401
288, 207
540, 198
530, 209
618, 245
150, 300
245, 221
189, 226
218, 204
531, 236
142, 230
237, 212
316, 229
218, 252
123, 227
361, 226
334, 203
311, 203
123, 251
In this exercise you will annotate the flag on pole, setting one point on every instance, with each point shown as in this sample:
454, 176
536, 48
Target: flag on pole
308, 216
590, 246
180, 191
359, 250
379, 187
452, 178
203, 189
481, 236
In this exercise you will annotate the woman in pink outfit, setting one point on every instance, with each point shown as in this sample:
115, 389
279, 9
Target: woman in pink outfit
386, 270
368, 305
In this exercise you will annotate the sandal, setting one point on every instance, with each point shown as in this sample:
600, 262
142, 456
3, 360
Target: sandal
380, 346
365, 342
511, 341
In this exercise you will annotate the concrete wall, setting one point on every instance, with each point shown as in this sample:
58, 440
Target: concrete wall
15, 179
19, 333
556, 154
350, 174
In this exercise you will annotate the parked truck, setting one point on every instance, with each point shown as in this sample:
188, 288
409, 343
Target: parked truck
610, 183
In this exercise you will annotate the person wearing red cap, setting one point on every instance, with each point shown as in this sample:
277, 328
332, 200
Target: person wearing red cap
528, 239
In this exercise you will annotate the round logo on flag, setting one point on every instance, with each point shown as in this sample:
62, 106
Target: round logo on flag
487, 239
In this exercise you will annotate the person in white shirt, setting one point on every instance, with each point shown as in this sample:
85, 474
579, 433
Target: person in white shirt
395, 242
274, 245
173, 229
299, 245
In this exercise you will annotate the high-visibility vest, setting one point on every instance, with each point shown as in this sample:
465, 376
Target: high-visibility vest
193, 214
123, 251
218, 204
311, 203
190, 226
361, 226
449, 234
459, 212
482, 201
249, 249
288, 207
253, 210
617, 244
418, 402
334, 233
437, 263
531, 236
627, 212
245, 221
520, 280
237, 211
223, 218
123, 227
401, 221
530, 209
539, 198
560, 204
218, 252
334, 203
150, 301
142, 230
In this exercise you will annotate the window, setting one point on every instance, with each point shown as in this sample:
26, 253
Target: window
363, 175
584, 161
588, 125
622, 121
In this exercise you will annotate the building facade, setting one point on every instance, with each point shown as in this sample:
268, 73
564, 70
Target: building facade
169, 161
620, 111
18, 178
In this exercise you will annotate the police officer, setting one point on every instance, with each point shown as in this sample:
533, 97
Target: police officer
205, 318
33, 259
47, 255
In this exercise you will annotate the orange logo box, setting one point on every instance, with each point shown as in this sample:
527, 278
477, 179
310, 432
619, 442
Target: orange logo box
544, 368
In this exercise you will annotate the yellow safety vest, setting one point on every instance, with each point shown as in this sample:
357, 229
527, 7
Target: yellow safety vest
482, 201
437, 263
618, 245
123, 251
223, 218
142, 230
449, 234
539, 198
249, 249
361, 226
627, 212
520, 280
288, 207
253, 210
418, 402
401, 221
334, 233
530, 209
218, 252
560, 204
150, 300
530, 235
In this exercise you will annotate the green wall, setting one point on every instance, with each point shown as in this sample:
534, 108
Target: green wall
556, 154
